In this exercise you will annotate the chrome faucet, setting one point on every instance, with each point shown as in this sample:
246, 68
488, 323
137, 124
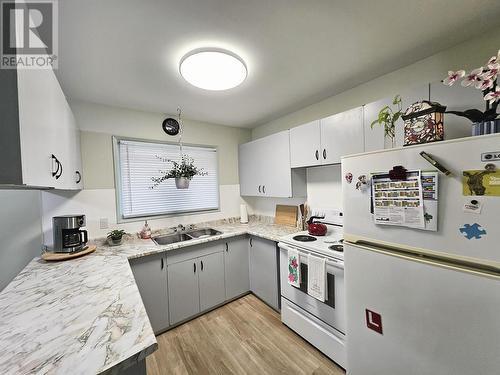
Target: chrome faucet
180, 228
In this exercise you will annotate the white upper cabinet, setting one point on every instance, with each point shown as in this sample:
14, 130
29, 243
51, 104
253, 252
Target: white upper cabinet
342, 134
305, 145
40, 138
264, 168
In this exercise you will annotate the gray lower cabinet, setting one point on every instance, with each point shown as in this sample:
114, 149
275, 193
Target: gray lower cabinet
236, 267
196, 284
211, 281
150, 273
183, 290
264, 276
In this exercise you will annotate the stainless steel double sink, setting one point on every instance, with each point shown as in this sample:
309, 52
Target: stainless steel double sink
168, 239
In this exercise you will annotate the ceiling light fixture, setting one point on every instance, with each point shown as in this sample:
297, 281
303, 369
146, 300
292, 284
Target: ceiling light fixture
213, 69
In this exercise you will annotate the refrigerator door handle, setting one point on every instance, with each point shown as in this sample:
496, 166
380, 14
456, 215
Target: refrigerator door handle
433, 260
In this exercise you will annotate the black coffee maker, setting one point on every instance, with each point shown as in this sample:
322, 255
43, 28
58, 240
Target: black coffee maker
68, 235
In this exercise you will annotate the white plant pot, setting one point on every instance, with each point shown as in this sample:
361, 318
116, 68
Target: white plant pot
182, 183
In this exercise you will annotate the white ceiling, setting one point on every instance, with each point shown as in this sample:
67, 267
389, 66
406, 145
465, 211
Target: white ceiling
126, 52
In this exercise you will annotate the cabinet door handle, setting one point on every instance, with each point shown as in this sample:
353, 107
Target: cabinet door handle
194, 265
317, 155
161, 262
264, 189
78, 177
324, 153
259, 189
201, 265
251, 244
58, 172
227, 247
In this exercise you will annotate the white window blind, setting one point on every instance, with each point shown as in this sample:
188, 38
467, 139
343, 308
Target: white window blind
138, 162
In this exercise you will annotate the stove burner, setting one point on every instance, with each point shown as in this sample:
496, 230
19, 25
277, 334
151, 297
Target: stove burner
304, 238
339, 248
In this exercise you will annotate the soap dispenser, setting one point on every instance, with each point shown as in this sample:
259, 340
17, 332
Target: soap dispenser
146, 231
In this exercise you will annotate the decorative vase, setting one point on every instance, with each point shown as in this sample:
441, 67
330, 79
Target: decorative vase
486, 127
182, 183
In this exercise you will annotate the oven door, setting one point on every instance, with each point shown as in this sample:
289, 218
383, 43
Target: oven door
331, 311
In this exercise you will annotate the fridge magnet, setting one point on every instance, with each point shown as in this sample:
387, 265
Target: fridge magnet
474, 231
473, 207
348, 177
397, 172
362, 182
481, 182
435, 163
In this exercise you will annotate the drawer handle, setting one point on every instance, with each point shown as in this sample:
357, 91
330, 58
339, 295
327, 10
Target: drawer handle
324, 153
194, 264
264, 189
79, 177
227, 247
259, 189
201, 265
162, 263
317, 155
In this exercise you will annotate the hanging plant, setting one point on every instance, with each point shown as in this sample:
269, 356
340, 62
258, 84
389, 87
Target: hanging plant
484, 79
183, 172
387, 117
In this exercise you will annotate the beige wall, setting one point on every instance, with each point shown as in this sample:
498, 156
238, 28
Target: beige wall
99, 122
470, 54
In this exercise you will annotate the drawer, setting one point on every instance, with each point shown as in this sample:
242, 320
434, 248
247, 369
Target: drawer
320, 335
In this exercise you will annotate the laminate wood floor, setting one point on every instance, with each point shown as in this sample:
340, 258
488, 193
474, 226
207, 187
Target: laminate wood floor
243, 337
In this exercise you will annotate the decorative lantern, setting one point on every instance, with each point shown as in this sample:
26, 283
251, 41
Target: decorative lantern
424, 123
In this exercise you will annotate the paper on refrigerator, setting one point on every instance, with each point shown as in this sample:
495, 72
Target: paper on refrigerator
398, 202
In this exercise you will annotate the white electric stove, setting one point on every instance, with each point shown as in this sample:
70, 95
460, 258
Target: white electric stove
331, 244
322, 323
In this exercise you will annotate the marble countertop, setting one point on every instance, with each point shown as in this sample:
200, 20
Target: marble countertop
86, 316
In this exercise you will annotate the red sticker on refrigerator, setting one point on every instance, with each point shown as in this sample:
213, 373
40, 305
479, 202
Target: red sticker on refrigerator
374, 321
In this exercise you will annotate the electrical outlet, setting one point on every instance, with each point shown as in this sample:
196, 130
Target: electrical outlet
103, 223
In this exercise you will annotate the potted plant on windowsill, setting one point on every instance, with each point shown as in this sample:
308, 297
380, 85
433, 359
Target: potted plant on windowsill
115, 237
183, 172
484, 79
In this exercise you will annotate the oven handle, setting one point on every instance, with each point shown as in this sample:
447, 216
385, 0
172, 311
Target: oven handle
329, 261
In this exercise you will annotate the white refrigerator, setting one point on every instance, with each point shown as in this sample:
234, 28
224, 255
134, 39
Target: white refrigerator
420, 301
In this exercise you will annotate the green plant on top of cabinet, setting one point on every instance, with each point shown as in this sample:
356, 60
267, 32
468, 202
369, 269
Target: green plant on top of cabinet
150, 273
236, 267
264, 168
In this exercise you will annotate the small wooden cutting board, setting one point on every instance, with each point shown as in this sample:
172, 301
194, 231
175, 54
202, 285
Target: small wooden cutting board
54, 257
286, 215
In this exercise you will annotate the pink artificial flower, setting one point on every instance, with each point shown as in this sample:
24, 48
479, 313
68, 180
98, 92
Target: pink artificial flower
492, 72
453, 77
484, 84
473, 77
494, 59
294, 263
493, 96
291, 277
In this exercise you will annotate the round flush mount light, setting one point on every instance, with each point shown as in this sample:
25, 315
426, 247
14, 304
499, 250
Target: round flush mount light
213, 69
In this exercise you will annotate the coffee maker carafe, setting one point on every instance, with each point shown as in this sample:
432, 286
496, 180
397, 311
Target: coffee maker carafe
68, 235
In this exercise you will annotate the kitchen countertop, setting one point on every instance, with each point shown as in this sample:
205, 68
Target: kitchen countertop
86, 315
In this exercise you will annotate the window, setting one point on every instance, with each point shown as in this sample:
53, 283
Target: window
136, 161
